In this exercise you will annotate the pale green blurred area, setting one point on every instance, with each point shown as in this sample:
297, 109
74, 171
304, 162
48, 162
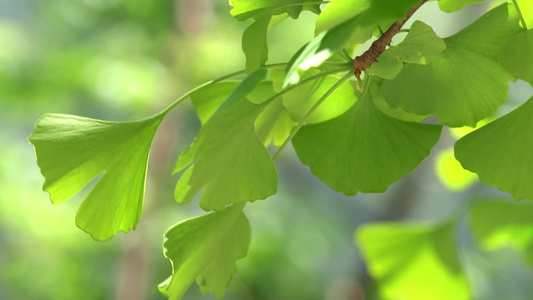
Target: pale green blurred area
127, 59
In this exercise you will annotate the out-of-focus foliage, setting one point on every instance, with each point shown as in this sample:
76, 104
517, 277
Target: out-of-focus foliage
125, 59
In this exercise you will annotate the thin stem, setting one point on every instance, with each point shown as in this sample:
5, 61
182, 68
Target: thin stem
520, 14
222, 78
310, 112
309, 79
346, 55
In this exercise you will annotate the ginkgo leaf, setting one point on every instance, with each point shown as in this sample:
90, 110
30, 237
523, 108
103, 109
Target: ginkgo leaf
208, 99
274, 124
413, 261
364, 149
501, 159
420, 46
455, 5
517, 56
301, 99
72, 151
254, 44
357, 29
498, 224
388, 65
205, 249
245, 9
339, 11
227, 158
456, 94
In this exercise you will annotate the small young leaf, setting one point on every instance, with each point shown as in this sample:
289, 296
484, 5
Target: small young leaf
227, 158
421, 45
414, 261
205, 248
72, 151
468, 69
254, 44
497, 224
501, 152
517, 56
364, 149
274, 123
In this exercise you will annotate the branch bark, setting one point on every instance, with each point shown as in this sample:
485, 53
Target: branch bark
371, 55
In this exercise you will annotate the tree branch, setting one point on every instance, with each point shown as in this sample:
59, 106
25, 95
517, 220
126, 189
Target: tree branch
371, 55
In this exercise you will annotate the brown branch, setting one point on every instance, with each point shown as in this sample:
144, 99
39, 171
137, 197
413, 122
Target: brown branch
371, 55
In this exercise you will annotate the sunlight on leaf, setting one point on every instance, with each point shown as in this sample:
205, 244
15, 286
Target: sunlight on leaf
254, 44
207, 100
205, 249
227, 158
501, 159
364, 149
413, 261
355, 30
301, 99
72, 151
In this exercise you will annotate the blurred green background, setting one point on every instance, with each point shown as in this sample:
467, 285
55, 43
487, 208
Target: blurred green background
127, 59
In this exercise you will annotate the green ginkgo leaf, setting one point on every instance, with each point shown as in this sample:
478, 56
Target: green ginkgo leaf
420, 46
245, 9
254, 44
274, 123
456, 94
364, 149
301, 99
208, 99
501, 159
498, 224
455, 5
205, 249
517, 56
227, 158
413, 261
72, 151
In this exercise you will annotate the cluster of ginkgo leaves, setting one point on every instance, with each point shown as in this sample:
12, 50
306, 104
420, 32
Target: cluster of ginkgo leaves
355, 134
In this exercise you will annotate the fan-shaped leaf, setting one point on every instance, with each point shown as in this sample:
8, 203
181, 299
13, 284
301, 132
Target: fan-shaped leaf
498, 224
517, 56
459, 95
501, 152
364, 149
227, 158
72, 151
205, 248
413, 261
